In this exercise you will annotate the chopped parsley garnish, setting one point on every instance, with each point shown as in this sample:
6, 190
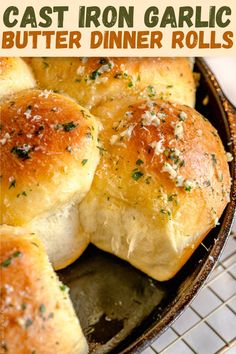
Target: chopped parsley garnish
172, 197
64, 287
28, 323
214, 133
67, 127
84, 162
95, 74
22, 193
164, 211
167, 152
136, 174
214, 161
101, 149
17, 254
182, 116
130, 84
8, 261
85, 114
22, 152
174, 156
42, 308
188, 188
12, 184
139, 162
151, 91
23, 306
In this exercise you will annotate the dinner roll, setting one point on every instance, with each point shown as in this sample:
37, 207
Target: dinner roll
15, 75
49, 156
162, 183
93, 80
36, 313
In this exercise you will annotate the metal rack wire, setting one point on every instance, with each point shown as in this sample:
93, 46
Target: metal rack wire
208, 326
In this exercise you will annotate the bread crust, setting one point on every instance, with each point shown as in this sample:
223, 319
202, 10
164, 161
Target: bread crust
94, 80
49, 155
36, 313
47, 141
15, 75
164, 171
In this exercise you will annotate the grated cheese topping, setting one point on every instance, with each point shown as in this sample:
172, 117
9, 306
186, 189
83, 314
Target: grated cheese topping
5, 138
179, 130
45, 93
158, 146
150, 118
169, 169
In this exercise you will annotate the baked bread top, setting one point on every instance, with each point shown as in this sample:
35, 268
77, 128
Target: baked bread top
156, 144
163, 166
35, 310
15, 76
49, 154
94, 80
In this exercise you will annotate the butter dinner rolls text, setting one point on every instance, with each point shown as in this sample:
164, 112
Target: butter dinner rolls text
49, 156
94, 80
15, 75
161, 185
36, 313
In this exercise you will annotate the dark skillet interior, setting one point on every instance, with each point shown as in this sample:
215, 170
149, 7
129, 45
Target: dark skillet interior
121, 309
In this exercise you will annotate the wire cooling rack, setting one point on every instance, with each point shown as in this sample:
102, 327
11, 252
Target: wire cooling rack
208, 326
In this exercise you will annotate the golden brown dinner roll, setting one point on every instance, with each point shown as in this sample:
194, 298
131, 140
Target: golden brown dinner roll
161, 185
93, 80
49, 155
36, 313
15, 75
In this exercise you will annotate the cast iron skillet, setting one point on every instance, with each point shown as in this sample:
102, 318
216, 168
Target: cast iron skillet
122, 310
